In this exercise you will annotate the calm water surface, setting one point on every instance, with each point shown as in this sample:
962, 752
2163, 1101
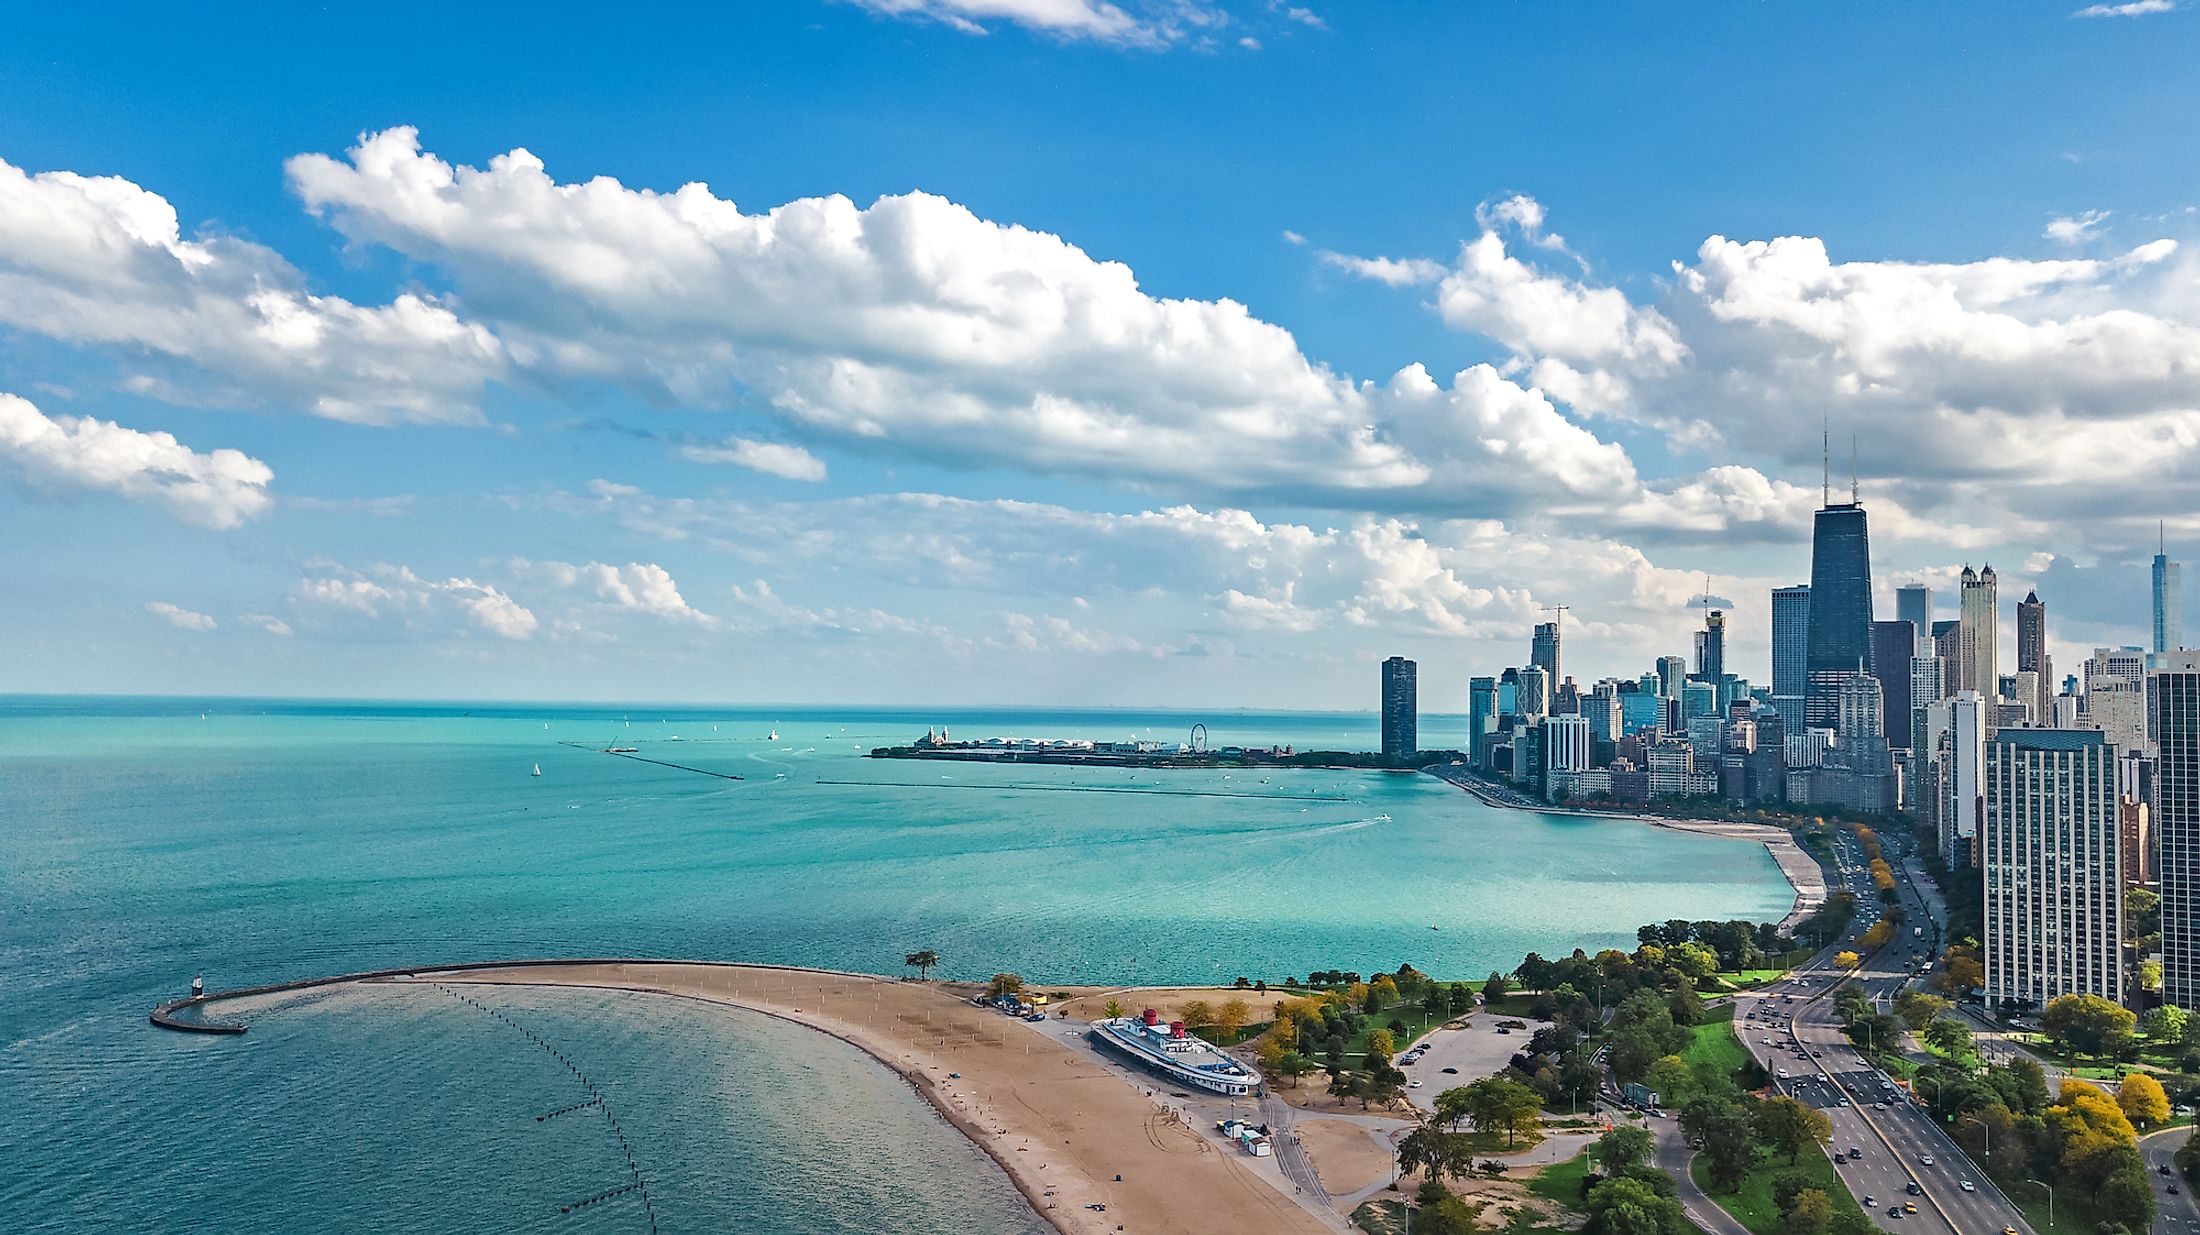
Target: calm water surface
144, 841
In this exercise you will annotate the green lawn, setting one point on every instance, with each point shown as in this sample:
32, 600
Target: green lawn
1561, 1182
1752, 1204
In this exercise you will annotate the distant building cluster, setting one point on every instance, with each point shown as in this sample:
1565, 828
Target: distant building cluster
2058, 796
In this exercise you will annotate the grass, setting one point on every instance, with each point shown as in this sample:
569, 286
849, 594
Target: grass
1560, 1182
1381, 1217
1752, 1203
1749, 979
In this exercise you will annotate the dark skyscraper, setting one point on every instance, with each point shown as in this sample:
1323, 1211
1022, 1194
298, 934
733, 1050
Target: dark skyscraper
2032, 657
1839, 646
1711, 648
1913, 603
1401, 710
2173, 722
2169, 602
1894, 645
1544, 650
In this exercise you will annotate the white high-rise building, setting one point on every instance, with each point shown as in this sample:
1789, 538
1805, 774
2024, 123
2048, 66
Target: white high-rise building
1566, 744
1962, 772
1979, 633
2051, 855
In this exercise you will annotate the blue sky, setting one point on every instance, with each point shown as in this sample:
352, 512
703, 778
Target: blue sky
1120, 409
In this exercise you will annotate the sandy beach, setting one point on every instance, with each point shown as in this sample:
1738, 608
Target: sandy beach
1062, 1126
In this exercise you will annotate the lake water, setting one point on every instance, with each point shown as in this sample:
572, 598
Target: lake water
143, 841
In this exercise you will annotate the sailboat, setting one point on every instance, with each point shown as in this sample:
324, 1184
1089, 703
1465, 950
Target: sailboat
773, 737
538, 769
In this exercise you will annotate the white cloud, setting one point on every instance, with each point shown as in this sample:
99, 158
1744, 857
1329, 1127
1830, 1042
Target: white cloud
2136, 8
643, 587
1394, 271
398, 590
770, 458
1068, 19
2077, 228
1536, 313
99, 260
180, 618
218, 489
269, 623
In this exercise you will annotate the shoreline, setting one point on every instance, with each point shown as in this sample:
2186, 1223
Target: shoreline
1090, 1137
1804, 875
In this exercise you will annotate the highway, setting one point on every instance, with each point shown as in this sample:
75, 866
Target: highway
2177, 1213
1791, 1028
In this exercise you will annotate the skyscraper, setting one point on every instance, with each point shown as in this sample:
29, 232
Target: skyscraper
1977, 664
1913, 603
2032, 657
1711, 648
1401, 709
1544, 650
1839, 643
1535, 692
1791, 640
2173, 722
1481, 718
1894, 647
2051, 852
2169, 602
1672, 672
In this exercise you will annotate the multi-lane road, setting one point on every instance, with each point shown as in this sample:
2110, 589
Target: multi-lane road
1887, 1142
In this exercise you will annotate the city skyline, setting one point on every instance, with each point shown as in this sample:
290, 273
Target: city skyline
543, 396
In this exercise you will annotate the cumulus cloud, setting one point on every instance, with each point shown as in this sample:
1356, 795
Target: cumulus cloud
2076, 228
99, 260
398, 591
770, 458
178, 617
2136, 8
218, 489
642, 587
1068, 19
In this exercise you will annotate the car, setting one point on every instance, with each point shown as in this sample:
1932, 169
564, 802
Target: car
1914, 1190
1413, 1084
1869, 1202
1966, 1185
1844, 1101
1856, 1151
1924, 1159
1839, 1158
1894, 1211
1502, 1029
1909, 1207
1451, 1071
2008, 1230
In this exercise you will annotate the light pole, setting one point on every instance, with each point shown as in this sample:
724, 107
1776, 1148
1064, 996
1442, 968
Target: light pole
1988, 1129
2050, 1199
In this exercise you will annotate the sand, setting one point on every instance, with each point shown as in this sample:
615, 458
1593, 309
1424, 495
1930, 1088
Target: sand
1061, 1125
1346, 1155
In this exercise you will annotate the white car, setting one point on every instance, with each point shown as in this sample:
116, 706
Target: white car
1925, 1159
1968, 1186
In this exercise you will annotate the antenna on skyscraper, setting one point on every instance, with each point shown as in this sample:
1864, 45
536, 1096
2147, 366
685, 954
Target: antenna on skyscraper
1825, 470
1854, 500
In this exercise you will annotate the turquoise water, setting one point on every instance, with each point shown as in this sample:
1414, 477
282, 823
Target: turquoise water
144, 841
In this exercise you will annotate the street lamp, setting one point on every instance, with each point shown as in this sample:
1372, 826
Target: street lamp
2050, 1199
1980, 1120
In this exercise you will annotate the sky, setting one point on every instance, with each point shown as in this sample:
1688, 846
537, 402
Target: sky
1181, 353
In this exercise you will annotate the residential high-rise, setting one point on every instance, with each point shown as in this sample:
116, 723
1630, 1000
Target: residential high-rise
1913, 603
1962, 759
1481, 719
2032, 657
2173, 722
1401, 710
1672, 672
1711, 648
1977, 667
1544, 650
1535, 692
1894, 647
2169, 602
1566, 744
2051, 853
1790, 651
1925, 691
1861, 712
1838, 646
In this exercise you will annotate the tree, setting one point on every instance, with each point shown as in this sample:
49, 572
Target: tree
1232, 1017
1961, 971
1811, 1214
1382, 993
1433, 1151
1949, 1036
1196, 1014
1920, 1008
2166, 1025
1671, 1078
2086, 1024
923, 962
1791, 1127
1723, 1129
2142, 914
1495, 987
1624, 1148
1112, 1009
2143, 1100
1004, 984
1846, 960
1695, 960
1381, 1045
1295, 1065
1495, 1102
1443, 1213
1632, 1205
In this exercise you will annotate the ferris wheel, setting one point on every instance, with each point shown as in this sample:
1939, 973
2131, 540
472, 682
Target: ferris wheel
1199, 739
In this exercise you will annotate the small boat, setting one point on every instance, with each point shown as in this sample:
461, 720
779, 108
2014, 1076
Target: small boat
538, 769
773, 736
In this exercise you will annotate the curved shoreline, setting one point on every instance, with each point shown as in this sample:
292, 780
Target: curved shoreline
980, 1071
1803, 872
